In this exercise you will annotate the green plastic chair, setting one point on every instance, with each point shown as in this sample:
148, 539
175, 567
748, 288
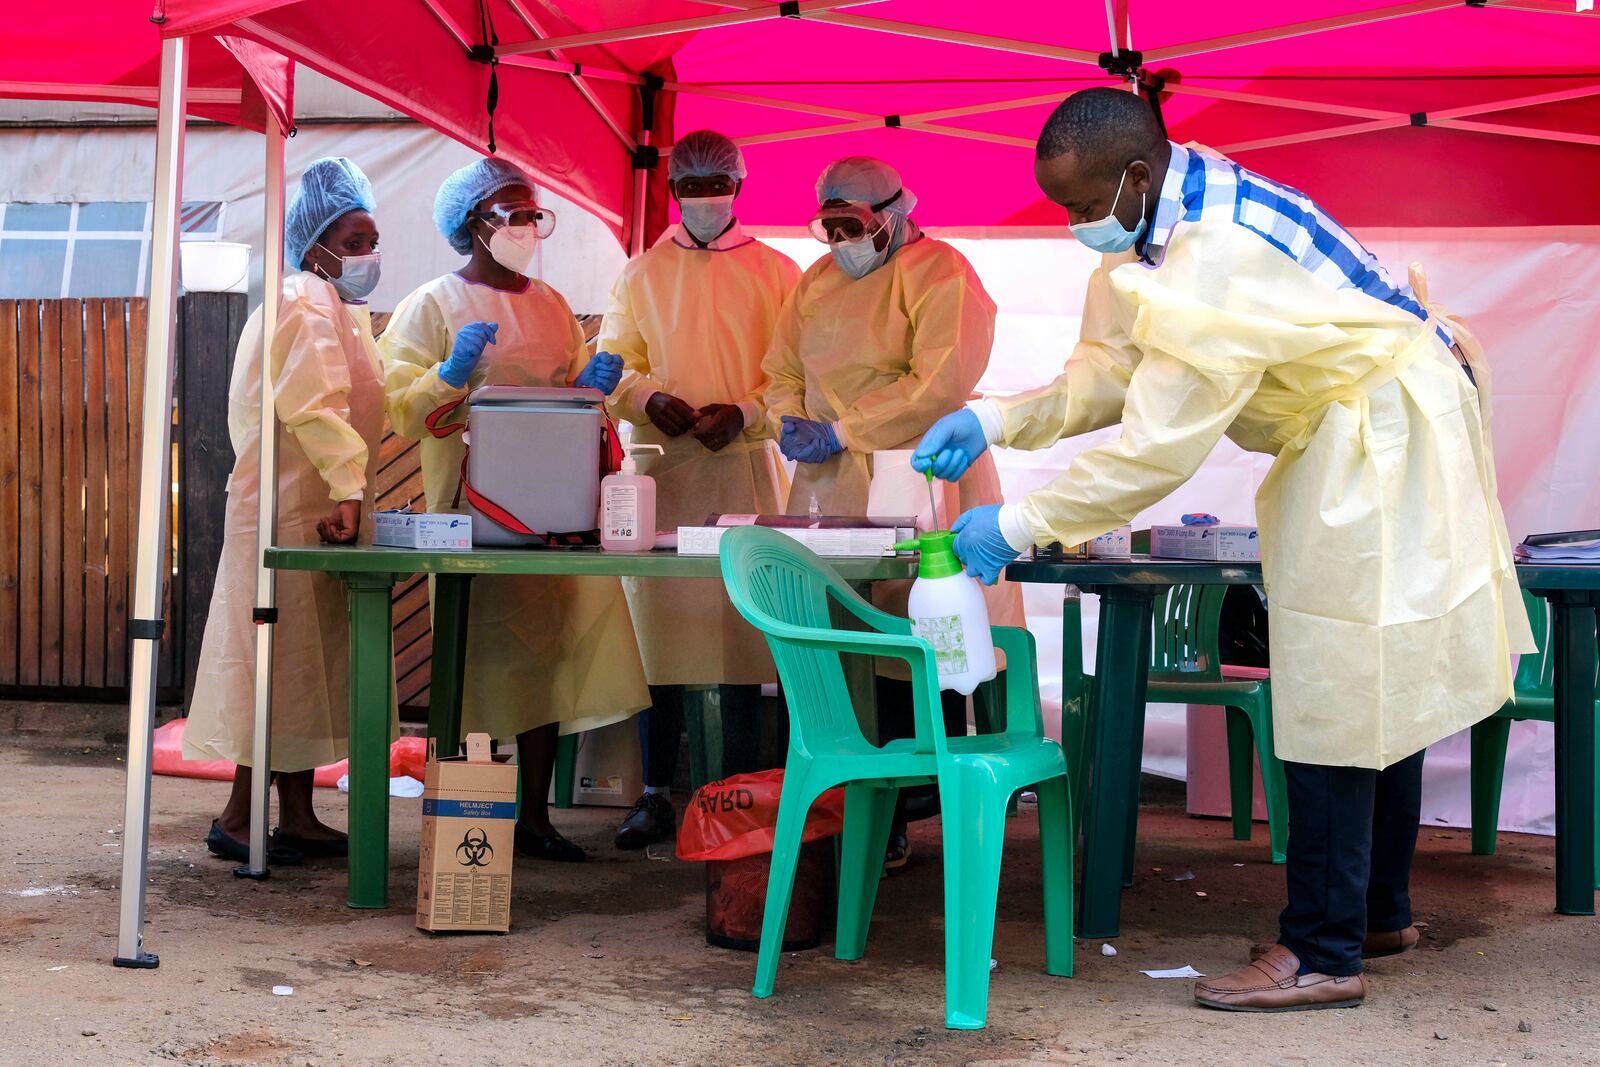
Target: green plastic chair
1533, 697
1186, 668
784, 590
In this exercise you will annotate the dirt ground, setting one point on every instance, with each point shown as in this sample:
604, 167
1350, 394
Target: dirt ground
607, 962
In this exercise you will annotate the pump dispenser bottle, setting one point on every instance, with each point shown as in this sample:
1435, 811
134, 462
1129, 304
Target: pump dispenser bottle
628, 505
947, 610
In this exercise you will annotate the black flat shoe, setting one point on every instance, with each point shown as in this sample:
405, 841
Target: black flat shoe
221, 843
313, 848
652, 819
551, 847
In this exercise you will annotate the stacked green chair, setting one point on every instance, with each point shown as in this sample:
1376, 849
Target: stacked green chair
1533, 697
1186, 668
785, 591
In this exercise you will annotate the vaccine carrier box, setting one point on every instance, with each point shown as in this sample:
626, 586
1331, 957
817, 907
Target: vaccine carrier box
469, 814
535, 454
1217, 544
429, 533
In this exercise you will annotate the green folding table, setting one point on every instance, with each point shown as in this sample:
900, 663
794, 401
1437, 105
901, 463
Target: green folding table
370, 573
1115, 731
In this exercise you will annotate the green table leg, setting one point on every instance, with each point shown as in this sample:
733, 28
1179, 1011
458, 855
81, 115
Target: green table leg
371, 679
1136, 755
452, 595
1116, 706
1574, 648
566, 766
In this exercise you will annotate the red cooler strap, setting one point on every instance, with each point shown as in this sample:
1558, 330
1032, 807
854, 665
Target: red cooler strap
441, 413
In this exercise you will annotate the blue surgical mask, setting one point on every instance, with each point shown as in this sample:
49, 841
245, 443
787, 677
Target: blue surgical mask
1108, 235
358, 276
706, 217
859, 258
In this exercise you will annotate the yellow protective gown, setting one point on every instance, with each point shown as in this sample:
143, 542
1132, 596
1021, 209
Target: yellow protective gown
1392, 596
330, 423
884, 357
695, 322
540, 649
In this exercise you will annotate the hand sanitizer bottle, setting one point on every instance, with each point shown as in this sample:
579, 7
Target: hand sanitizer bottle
948, 611
628, 505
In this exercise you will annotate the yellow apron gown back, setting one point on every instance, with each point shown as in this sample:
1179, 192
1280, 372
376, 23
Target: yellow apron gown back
327, 374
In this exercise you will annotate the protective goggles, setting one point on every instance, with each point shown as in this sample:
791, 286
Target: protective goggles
849, 223
524, 213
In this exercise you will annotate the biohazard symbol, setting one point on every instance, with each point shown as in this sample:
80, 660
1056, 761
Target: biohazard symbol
475, 850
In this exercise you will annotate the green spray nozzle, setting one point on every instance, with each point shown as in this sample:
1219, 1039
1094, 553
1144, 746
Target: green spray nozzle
938, 554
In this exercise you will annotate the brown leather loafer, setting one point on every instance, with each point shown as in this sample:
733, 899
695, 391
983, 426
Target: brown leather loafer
1378, 944
1272, 984
1389, 942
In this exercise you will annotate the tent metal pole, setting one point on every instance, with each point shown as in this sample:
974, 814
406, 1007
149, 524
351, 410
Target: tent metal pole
1297, 29
756, 13
1182, 88
1503, 130
1316, 135
265, 615
155, 499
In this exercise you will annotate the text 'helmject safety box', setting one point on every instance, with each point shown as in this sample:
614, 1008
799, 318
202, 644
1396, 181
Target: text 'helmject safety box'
1219, 543
469, 812
423, 531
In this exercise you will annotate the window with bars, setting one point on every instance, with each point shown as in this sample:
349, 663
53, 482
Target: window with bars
50, 251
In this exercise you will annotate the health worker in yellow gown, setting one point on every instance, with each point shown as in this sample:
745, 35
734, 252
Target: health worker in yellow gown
691, 319
1231, 305
329, 400
545, 654
883, 336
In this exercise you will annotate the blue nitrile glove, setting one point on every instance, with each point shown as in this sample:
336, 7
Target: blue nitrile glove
807, 440
980, 545
604, 372
951, 445
471, 340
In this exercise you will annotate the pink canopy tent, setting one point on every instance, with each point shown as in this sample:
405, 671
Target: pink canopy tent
110, 51
1431, 112
113, 51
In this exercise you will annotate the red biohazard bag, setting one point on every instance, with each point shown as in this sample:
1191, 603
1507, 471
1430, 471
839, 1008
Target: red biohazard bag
735, 817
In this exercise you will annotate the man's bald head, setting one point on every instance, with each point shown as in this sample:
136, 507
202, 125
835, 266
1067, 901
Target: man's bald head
1101, 153
1104, 128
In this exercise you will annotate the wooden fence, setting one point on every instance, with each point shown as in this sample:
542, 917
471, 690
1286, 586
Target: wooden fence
71, 389
71, 395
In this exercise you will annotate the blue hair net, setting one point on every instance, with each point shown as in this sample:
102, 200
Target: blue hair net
329, 188
865, 180
705, 153
461, 192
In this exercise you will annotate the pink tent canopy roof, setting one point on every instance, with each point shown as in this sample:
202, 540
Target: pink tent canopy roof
110, 51
1462, 114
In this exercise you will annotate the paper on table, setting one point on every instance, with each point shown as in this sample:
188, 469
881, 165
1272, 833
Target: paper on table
1185, 971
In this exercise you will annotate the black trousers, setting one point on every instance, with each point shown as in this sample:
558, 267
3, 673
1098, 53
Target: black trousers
1352, 836
661, 727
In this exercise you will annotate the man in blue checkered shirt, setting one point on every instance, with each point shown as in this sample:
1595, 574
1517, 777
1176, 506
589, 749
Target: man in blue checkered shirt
1230, 305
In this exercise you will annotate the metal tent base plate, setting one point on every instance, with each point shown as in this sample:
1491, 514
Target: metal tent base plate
144, 961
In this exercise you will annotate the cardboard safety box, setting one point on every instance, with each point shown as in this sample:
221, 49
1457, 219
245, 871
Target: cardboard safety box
423, 531
1219, 543
469, 811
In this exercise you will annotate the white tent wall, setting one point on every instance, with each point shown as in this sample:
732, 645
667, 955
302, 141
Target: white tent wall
1527, 293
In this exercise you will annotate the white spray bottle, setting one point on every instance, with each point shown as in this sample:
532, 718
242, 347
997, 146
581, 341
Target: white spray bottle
628, 505
948, 611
